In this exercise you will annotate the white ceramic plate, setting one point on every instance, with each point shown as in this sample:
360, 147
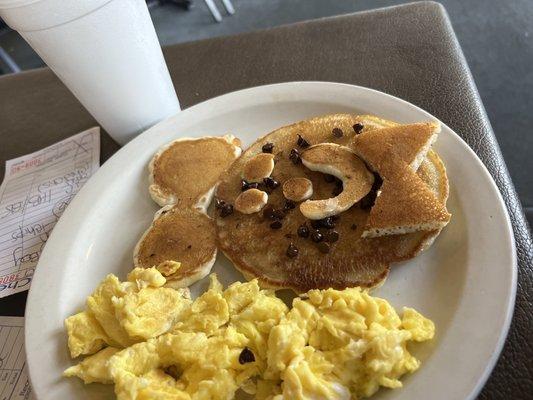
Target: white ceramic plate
465, 283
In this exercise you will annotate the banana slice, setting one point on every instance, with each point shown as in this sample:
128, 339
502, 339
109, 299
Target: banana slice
251, 201
341, 162
258, 167
297, 189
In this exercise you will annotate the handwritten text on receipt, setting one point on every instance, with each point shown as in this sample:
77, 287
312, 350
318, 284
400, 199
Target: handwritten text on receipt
36, 190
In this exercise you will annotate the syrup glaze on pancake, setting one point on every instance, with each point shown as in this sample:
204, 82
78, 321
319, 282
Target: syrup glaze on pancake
259, 251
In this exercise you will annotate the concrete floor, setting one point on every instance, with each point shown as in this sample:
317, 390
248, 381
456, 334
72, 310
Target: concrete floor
496, 37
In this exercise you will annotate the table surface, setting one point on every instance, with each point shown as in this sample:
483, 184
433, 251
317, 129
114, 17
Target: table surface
408, 51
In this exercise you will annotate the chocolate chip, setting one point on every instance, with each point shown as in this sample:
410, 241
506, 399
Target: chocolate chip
219, 204
337, 132
267, 147
331, 236
246, 356
316, 236
276, 224
329, 178
244, 185
292, 251
353, 227
327, 223
270, 182
227, 209
368, 201
278, 214
268, 211
295, 157
358, 128
189, 246
303, 231
151, 255
323, 247
289, 205
315, 223
302, 142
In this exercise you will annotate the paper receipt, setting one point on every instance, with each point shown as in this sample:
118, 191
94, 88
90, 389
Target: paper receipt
36, 190
14, 382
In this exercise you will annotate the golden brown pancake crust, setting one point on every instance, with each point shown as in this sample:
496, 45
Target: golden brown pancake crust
189, 168
179, 234
259, 251
406, 203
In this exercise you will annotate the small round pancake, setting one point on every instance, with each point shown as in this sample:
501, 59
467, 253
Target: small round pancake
186, 171
185, 235
259, 251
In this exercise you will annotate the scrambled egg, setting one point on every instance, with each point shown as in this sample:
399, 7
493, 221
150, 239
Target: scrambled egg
155, 342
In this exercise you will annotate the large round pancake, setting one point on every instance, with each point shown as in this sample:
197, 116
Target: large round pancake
259, 251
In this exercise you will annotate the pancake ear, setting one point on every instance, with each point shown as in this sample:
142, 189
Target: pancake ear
187, 170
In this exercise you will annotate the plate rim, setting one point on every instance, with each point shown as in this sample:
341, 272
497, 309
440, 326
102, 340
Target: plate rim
510, 299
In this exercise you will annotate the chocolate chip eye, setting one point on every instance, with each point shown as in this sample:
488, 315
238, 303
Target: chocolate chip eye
267, 147
246, 356
337, 132
301, 142
358, 128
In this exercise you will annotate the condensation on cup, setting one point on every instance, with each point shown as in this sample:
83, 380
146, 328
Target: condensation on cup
106, 52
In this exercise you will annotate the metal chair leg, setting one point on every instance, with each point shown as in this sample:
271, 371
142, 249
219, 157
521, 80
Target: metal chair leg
228, 6
10, 63
214, 10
